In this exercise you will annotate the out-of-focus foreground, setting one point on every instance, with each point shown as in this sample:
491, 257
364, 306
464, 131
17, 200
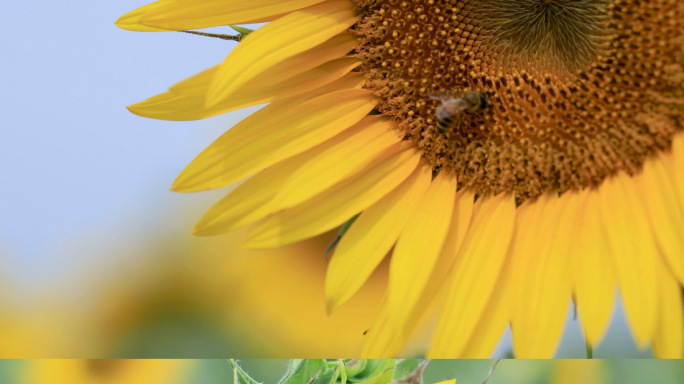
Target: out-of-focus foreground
191, 298
268, 371
187, 297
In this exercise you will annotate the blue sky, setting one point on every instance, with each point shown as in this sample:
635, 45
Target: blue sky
80, 174
75, 162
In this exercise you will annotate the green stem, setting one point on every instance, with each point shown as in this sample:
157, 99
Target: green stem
232, 364
491, 370
218, 36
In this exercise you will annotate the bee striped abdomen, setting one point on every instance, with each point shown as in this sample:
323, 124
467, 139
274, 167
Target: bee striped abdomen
445, 123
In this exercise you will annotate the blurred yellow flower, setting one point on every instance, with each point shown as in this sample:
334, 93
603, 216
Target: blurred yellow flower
46, 328
192, 299
217, 299
578, 371
26, 335
513, 156
104, 371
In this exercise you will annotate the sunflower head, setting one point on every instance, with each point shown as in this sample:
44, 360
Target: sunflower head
519, 153
578, 90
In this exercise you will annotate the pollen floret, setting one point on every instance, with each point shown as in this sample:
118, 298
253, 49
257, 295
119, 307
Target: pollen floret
577, 89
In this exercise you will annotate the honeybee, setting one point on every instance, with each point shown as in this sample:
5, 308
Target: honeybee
453, 104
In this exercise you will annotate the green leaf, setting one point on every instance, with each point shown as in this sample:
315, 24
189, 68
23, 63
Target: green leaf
369, 369
377, 372
291, 367
241, 30
302, 371
416, 376
343, 229
354, 367
240, 376
330, 376
405, 367
343, 372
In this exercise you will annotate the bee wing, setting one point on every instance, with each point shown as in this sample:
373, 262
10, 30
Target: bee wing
440, 95
455, 106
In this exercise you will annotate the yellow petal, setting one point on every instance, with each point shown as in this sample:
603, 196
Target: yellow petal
419, 247
299, 74
201, 81
196, 82
370, 238
634, 253
319, 168
192, 14
494, 320
578, 372
475, 273
382, 340
460, 224
280, 72
543, 284
662, 206
131, 20
341, 162
278, 41
183, 101
668, 342
253, 199
240, 207
332, 208
453, 381
189, 103
675, 166
272, 134
592, 269
386, 336
495, 317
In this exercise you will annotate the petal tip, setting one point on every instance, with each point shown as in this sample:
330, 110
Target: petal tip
260, 240
331, 305
175, 186
131, 108
178, 188
139, 110
183, 184
124, 21
207, 227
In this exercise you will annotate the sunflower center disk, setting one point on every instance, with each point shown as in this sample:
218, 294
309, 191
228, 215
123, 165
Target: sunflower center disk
571, 91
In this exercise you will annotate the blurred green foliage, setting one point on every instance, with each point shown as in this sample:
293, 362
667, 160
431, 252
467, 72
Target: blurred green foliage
466, 371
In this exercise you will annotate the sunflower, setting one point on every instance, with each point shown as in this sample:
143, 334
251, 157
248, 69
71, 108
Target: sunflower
578, 371
220, 299
514, 155
105, 371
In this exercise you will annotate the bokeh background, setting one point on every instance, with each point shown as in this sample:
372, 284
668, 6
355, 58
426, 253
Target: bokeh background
269, 371
96, 259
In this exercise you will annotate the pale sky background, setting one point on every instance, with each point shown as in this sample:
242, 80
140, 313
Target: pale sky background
80, 174
75, 163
